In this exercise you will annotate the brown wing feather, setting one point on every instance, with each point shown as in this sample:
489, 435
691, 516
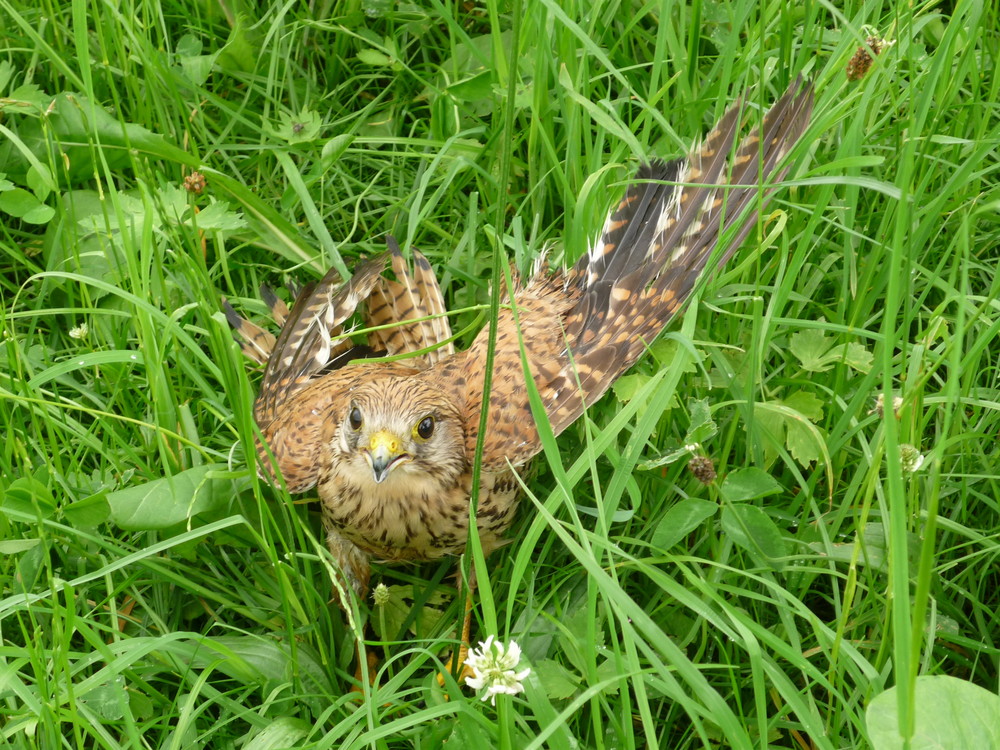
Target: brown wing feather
616, 300
312, 339
694, 219
408, 304
535, 325
256, 343
277, 306
579, 330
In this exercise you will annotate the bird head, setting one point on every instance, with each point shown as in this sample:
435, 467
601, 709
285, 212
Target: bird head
396, 429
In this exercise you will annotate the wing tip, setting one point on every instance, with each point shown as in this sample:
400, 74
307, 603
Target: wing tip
232, 317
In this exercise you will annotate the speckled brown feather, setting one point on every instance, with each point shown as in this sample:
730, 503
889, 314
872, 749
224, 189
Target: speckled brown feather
414, 308
312, 339
277, 306
256, 343
579, 330
666, 229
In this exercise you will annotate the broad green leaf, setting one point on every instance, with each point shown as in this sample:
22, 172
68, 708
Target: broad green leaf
300, 128
140, 705
40, 181
334, 148
628, 387
473, 89
683, 518
242, 49
801, 442
107, 700
28, 496
387, 620
73, 127
664, 351
72, 245
278, 734
748, 484
801, 438
818, 352
22, 204
218, 216
248, 659
374, 57
88, 513
869, 548
752, 529
40, 214
807, 404
558, 681
702, 425
610, 669
856, 356
470, 733
26, 97
198, 68
788, 421
949, 714
195, 66
578, 641
188, 45
164, 502
632, 386
772, 425
809, 346
17, 546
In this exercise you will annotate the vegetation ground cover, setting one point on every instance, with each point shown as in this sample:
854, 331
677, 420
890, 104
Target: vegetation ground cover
838, 576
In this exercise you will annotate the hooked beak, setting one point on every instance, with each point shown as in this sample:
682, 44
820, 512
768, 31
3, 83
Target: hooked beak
384, 454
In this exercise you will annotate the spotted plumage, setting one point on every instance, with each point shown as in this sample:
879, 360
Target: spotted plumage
389, 445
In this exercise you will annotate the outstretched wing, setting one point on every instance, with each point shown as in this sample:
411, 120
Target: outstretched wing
658, 242
580, 331
312, 339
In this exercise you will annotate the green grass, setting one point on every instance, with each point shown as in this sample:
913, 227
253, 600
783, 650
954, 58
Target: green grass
154, 593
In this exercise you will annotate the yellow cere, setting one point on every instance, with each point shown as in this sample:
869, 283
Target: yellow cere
384, 439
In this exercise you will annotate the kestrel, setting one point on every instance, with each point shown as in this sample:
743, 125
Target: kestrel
389, 445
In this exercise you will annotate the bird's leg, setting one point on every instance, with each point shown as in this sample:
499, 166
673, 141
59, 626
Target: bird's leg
457, 665
366, 657
354, 576
369, 657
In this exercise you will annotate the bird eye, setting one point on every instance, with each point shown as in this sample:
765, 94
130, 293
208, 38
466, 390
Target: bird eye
425, 428
355, 418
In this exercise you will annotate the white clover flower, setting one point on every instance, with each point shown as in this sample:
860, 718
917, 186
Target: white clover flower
879, 408
493, 665
910, 458
79, 332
